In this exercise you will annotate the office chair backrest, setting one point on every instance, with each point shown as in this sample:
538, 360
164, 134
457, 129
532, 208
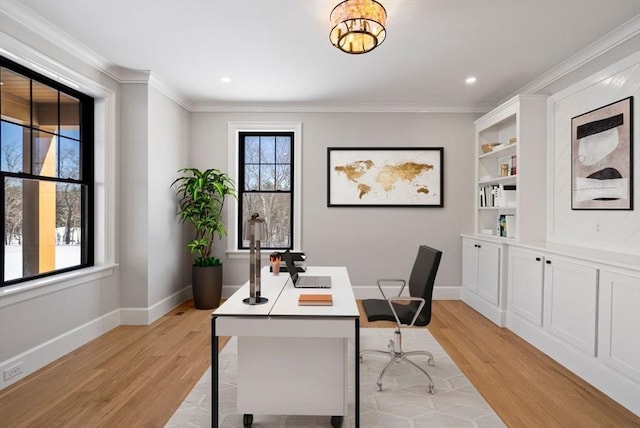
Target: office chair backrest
422, 279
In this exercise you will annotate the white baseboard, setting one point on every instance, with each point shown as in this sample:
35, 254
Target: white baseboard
372, 292
41, 355
620, 388
496, 315
49, 351
145, 316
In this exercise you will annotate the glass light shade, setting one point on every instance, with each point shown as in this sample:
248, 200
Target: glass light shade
357, 26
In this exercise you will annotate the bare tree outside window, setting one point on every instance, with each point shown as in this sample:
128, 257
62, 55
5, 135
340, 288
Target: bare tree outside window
46, 165
266, 171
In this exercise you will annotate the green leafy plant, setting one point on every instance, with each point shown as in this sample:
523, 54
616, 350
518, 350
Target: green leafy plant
201, 196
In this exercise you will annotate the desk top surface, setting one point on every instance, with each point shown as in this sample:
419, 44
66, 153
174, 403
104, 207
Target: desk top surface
283, 296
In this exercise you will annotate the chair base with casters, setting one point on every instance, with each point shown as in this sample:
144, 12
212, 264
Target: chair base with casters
406, 311
397, 355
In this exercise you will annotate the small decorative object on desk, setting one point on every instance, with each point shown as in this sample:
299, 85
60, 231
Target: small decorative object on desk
275, 260
315, 300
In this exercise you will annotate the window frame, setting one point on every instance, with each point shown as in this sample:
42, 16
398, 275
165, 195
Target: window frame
86, 177
242, 177
233, 134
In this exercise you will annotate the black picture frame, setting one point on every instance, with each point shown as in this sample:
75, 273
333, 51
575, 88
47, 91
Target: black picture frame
385, 177
602, 158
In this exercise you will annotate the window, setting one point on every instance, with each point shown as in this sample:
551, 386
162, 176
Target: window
46, 165
265, 186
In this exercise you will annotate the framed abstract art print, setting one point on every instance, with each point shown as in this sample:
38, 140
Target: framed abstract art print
602, 158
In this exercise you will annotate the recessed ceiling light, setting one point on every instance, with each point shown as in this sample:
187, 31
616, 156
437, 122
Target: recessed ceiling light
471, 80
225, 79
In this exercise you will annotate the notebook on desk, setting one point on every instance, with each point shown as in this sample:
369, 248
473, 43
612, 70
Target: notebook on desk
304, 281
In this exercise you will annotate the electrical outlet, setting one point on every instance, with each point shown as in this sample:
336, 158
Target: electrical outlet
12, 372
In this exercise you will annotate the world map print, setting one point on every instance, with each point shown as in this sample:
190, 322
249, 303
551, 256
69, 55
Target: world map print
395, 178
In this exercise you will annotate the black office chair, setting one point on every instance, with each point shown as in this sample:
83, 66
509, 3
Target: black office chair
406, 311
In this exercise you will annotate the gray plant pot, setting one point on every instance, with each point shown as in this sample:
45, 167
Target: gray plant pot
207, 286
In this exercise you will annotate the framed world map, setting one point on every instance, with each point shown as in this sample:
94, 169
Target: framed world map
370, 177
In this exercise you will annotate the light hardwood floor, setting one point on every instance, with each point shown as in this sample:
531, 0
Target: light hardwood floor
137, 376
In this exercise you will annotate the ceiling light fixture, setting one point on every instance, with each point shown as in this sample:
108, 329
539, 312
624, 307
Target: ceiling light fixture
357, 26
471, 80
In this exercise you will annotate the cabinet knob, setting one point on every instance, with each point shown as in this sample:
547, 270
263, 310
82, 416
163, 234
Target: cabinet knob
537, 259
548, 262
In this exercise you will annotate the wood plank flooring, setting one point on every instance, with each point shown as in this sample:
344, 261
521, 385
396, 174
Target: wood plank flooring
137, 376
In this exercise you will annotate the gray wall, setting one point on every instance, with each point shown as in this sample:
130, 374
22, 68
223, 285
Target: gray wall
371, 242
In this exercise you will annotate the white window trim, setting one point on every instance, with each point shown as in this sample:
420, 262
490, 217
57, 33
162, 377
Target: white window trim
104, 239
233, 134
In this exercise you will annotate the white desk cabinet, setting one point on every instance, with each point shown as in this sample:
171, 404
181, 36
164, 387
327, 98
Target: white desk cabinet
482, 278
292, 360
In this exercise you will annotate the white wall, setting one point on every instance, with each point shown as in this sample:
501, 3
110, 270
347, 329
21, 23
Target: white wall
168, 262
610, 230
154, 266
42, 320
372, 242
134, 193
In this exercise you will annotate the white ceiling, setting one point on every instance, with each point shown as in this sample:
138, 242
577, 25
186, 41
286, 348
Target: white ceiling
277, 52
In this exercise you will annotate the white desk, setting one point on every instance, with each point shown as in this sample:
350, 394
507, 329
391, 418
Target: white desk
292, 360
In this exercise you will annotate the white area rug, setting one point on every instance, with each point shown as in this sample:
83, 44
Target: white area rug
404, 401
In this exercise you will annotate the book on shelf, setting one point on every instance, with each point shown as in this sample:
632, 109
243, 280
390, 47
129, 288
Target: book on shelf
307, 299
506, 225
497, 195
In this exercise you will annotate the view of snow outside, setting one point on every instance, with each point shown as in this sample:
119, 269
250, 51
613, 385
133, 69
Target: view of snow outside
66, 255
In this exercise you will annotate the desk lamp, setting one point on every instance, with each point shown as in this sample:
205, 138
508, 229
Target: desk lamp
256, 229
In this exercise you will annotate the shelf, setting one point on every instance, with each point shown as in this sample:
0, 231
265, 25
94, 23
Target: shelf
497, 208
507, 149
518, 127
509, 179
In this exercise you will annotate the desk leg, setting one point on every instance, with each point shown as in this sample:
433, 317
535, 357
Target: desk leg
214, 374
356, 357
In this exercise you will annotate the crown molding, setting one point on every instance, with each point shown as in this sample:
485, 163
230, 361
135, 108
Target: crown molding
333, 108
26, 17
610, 41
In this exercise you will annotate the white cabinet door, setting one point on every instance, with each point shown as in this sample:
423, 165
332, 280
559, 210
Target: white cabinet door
489, 272
570, 302
470, 265
526, 279
619, 323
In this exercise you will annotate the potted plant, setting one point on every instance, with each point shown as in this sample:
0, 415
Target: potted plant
201, 195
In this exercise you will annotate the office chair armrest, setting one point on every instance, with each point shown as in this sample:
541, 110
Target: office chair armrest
381, 281
404, 299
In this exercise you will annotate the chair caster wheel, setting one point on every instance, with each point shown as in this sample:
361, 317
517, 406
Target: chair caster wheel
432, 389
379, 386
336, 421
247, 420
431, 362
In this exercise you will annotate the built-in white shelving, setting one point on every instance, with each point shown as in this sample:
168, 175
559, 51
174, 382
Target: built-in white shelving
510, 179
